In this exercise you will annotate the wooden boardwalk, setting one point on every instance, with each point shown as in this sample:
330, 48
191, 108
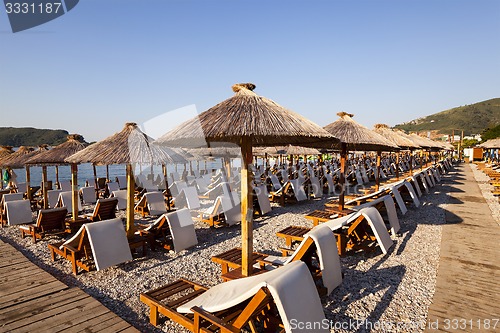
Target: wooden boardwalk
467, 294
32, 300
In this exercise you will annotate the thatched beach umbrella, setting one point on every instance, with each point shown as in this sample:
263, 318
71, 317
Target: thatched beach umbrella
355, 136
4, 152
18, 160
56, 156
395, 137
247, 120
129, 146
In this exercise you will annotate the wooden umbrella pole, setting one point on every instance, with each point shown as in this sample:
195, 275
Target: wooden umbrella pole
45, 185
343, 171
379, 157
164, 169
57, 175
246, 207
28, 180
107, 173
74, 189
1, 178
411, 163
397, 166
130, 201
95, 178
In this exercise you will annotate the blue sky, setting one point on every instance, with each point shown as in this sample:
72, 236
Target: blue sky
108, 62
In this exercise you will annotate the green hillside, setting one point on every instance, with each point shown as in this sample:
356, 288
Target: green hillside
28, 136
472, 119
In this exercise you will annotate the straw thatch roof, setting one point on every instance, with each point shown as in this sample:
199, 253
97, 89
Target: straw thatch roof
491, 144
290, 150
58, 154
394, 136
18, 159
130, 145
357, 136
217, 151
424, 142
5, 151
247, 115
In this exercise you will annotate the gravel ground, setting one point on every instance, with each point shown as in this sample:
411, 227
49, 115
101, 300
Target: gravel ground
379, 291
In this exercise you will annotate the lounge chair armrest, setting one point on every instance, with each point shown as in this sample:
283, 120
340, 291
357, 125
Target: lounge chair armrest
263, 262
286, 250
70, 248
199, 312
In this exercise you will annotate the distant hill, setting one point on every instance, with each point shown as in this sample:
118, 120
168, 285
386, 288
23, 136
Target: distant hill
472, 119
28, 136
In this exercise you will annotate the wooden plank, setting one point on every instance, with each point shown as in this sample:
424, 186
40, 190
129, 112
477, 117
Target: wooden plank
42, 290
33, 307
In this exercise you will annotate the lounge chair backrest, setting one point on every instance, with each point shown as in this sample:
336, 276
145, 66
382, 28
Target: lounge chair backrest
298, 190
188, 198
65, 200
22, 187
201, 185
390, 208
18, 212
11, 197
176, 187
378, 227
275, 181
329, 181
108, 241
51, 219
53, 196
105, 209
364, 175
317, 189
121, 195
122, 181
88, 195
113, 186
231, 207
326, 248
65, 185
182, 229
359, 179
263, 198
155, 202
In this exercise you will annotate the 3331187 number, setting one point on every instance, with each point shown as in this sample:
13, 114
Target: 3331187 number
32, 8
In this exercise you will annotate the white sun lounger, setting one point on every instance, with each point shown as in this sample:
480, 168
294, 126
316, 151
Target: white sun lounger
88, 195
188, 197
156, 203
287, 285
263, 199
108, 242
65, 199
121, 195
182, 229
375, 221
18, 212
298, 189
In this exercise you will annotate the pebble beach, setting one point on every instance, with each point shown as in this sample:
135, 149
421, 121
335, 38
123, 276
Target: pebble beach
379, 292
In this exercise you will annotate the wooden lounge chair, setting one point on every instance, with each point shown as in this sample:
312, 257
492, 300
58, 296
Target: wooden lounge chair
353, 232
104, 210
240, 304
151, 203
3, 209
49, 221
224, 211
97, 245
319, 243
121, 195
173, 230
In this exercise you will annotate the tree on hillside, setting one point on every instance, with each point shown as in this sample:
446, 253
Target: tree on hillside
491, 133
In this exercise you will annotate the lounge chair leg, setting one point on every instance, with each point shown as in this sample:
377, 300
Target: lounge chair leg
153, 315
